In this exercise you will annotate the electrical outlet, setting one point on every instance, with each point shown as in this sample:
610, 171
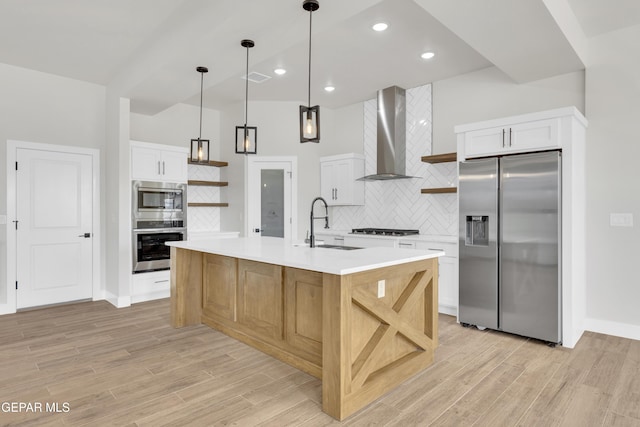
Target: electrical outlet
381, 286
621, 220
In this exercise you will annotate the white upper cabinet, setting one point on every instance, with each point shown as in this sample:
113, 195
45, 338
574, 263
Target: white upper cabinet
515, 138
544, 130
157, 162
338, 174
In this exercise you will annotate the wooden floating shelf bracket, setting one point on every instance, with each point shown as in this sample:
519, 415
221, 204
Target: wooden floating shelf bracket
214, 163
208, 183
204, 205
442, 190
440, 158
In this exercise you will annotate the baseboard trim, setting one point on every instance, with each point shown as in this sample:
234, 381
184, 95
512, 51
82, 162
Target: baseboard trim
118, 302
149, 296
624, 330
448, 309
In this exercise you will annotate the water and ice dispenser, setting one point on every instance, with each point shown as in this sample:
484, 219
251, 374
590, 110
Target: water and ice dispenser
477, 230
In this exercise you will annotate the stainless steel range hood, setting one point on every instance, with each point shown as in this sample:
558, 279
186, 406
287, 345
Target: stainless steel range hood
391, 138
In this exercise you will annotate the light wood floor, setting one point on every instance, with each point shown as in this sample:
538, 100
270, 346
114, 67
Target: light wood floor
129, 367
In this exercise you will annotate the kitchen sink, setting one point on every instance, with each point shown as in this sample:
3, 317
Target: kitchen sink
343, 248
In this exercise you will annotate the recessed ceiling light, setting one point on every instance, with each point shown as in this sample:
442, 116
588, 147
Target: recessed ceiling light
427, 55
380, 26
280, 71
329, 88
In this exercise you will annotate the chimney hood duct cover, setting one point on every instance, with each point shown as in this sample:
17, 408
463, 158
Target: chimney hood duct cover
391, 135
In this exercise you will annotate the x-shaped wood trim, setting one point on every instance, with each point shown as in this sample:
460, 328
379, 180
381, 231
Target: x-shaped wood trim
391, 323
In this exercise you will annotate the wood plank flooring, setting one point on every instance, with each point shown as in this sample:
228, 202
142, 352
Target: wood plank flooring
129, 367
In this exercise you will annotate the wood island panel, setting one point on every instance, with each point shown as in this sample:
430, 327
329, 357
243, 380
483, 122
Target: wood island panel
337, 328
219, 286
260, 294
186, 287
303, 312
372, 344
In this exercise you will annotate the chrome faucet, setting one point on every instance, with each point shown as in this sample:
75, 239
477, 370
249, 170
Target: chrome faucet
312, 237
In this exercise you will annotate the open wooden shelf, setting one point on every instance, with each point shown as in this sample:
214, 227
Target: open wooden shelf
440, 158
208, 183
205, 205
214, 163
442, 190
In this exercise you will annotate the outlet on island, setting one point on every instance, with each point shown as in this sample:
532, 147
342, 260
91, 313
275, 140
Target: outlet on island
381, 286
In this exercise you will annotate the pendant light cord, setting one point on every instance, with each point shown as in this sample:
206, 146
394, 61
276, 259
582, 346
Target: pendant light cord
201, 86
246, 96
309, 86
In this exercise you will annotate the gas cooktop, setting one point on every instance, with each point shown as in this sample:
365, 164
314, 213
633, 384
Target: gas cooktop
384, 231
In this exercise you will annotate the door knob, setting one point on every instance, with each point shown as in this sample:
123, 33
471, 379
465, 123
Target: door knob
85, 235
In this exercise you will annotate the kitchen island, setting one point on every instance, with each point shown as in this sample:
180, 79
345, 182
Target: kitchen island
363, 320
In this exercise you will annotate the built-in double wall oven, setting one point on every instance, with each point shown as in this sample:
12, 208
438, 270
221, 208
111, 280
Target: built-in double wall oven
158, 216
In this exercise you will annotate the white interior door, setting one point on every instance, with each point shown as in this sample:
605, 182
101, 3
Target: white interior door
270, 197
55, 227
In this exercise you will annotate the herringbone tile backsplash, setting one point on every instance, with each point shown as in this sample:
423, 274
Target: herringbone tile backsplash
203, 218
399, 203
388, 204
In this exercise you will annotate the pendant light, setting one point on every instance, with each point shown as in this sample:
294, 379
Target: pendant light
200, 147
310, 116
246, 136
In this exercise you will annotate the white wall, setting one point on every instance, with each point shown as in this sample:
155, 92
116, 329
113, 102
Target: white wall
613, 183
278, 135
178, 125
117, 262
40, 107
490, 94
347, 132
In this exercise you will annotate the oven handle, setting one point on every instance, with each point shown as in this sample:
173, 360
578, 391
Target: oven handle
160, 230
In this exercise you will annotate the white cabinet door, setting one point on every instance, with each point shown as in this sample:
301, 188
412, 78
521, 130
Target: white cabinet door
447, 275
338, 174
484, 141
150, 286
533, 136
517, 138
146, 164
327, 183
448, 285
174, 166
406, 244
369, 242
153, 162
329, 239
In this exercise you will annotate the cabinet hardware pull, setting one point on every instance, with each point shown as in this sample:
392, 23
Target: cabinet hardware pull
336, 194
510, 137
503, 138
436, 249
158, 167
163, 167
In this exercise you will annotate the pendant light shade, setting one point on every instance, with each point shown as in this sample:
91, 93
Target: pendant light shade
200, 147
246, 136
310, 116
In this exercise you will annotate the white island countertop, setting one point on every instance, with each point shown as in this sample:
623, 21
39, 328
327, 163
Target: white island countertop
274, 250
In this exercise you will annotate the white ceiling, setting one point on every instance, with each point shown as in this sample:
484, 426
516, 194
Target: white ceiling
148, 50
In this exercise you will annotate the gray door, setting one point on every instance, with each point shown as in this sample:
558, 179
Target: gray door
530, 245
272, 202
478, 192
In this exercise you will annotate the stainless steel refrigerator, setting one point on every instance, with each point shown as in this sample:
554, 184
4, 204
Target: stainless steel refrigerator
510, 237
